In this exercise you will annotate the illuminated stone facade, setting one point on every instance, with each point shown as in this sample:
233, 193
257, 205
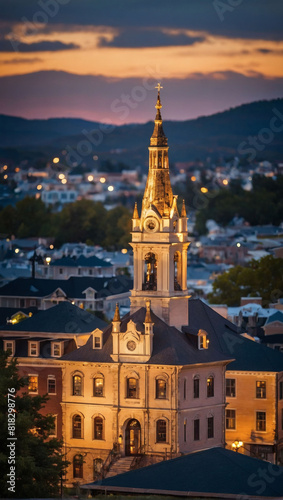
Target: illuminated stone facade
142, 385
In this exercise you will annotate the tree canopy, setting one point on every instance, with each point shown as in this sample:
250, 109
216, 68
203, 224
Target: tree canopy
37, 459
81, 221
263, 278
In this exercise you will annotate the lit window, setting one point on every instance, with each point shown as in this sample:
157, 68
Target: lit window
77, 385
132, 388
260, 389
161, 435
33, 348
160, 389
33, 383
77, 427
261, 421
98, 428
9, 345
98, 384
51, 384
196, 429
210, 387
196, 387
230, 419
78, 466
210, 427
230, 387
56, 349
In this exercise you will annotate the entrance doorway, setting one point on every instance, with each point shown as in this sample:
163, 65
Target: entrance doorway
132, 437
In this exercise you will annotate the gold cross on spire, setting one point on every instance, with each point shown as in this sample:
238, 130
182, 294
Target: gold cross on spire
159, 86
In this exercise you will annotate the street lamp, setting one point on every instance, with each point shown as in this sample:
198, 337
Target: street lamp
236, 445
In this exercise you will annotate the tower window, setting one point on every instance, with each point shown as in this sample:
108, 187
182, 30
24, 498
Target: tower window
98, 384
210, 387
177, 271
150, 275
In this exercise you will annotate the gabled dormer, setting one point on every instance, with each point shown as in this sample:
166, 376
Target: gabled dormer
132, 343
97, 339
203, 340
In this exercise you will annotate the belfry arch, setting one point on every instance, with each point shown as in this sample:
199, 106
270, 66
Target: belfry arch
150, 272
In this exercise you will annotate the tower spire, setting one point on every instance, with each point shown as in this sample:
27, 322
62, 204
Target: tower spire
158, 137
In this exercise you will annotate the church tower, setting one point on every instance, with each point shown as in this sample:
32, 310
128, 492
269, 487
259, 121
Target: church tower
160, 239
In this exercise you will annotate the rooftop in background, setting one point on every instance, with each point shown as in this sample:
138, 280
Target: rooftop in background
64, 318
216, 471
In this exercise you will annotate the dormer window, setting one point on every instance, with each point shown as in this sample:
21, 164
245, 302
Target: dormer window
33, 348
97, 338
202, 340
9, 345
56, 349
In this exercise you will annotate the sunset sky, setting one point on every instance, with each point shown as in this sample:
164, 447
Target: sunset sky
101, 59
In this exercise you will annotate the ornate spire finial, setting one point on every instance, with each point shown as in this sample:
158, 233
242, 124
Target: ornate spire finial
158, 104
117, 313
183, 211
136, 213
148, 312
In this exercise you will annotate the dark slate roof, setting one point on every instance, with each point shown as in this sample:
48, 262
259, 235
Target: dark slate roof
62, 318
278, 316
8, 312
249, 355
73, 287
170, 346
82, 261
277, 338
216, 470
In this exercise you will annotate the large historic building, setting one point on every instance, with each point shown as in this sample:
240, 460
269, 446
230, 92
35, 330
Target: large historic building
143, 385
151, 383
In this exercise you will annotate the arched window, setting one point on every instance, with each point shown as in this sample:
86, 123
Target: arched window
196, 386
98, 428
78, 466
161, 386
161, 431
77, 427
177, 271
150, 275
77, 385
98, 387
132, 388
210, 386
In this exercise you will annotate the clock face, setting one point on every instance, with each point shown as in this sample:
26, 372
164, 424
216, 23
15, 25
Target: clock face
131, 345
151, 224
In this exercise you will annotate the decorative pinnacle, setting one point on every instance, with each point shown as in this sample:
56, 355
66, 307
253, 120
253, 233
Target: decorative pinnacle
183, 211
148, 312
158, 104
136, 213
117, 313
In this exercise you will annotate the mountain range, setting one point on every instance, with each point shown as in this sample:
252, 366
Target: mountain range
222, 135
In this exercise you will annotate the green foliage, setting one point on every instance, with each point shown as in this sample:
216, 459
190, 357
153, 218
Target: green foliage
262, 205
263, 278
81, 221
39, 464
